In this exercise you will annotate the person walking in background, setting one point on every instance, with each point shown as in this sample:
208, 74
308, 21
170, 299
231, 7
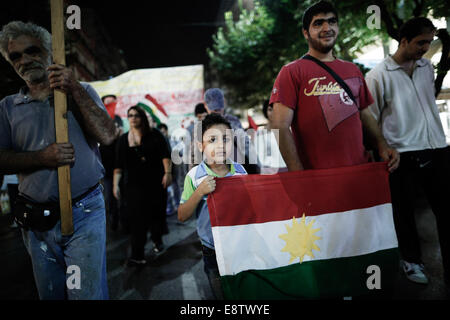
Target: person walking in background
405, 108
195, 131
265, 142
200, 114
173, 191
107, 153
143, 161
215, 103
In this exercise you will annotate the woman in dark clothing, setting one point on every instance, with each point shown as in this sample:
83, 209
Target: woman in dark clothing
143, 161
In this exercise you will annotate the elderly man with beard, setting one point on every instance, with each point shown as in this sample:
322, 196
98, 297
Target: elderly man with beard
27, 147
326, 121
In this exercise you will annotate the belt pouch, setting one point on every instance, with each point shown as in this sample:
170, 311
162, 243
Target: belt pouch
35, 216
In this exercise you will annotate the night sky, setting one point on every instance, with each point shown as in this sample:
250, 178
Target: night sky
162, 33
151, 33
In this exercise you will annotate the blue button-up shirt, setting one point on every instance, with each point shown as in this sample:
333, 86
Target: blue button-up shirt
29, 125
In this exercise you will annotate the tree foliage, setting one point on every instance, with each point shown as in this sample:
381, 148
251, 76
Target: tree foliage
247, 54
240, 53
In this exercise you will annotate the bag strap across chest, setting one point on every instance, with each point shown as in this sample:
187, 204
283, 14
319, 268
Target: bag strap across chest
333, 74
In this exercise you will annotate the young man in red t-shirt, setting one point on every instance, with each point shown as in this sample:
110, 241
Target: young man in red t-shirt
326, 123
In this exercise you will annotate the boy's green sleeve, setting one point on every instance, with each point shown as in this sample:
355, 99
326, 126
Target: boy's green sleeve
188, 189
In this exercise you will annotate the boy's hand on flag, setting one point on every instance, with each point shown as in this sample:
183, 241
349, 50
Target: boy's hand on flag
207, 186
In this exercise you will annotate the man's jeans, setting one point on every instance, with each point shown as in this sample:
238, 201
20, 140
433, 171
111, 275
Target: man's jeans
52, 254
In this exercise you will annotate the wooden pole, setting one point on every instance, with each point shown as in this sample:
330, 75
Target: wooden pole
61, 127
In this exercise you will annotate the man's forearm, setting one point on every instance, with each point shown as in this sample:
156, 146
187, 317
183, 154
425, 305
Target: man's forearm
117, 175
96, 121
167, 163
12, 162
376, 136
187, 209
289, 151
282, 118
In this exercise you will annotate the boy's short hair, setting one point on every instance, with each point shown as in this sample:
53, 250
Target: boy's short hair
315, 9
415, 27
213, 119
200, 108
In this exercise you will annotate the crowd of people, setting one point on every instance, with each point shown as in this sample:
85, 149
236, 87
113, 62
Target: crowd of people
311, 125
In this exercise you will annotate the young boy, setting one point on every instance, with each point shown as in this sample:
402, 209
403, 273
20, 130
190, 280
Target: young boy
216, 146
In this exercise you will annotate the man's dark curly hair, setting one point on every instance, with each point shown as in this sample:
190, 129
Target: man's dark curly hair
314, 10
415, 27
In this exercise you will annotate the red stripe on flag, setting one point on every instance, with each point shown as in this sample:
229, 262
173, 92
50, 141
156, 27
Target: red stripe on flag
160, 107
263, 198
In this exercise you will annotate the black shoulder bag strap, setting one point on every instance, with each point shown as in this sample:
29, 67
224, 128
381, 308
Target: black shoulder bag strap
333, 74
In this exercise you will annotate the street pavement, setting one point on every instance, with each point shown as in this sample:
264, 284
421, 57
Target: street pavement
177, 272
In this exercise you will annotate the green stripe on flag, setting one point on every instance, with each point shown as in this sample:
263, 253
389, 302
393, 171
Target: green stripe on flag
150, 111
332, 278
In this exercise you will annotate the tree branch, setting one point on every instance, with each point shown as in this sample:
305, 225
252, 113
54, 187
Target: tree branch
391, 29
417, 12
444, 64
397, 19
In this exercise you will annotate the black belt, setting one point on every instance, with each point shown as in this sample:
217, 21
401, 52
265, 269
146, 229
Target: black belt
75, 200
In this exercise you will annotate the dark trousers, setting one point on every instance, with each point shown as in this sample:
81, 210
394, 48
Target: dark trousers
111, 203
212, 272
144, 210
430, 170
13, 191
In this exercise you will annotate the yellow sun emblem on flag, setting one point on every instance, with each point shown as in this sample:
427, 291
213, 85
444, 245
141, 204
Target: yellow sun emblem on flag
300, 239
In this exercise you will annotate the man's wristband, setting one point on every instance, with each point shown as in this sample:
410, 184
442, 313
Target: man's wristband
168, 172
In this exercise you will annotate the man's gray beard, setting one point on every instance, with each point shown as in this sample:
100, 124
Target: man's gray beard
36, 77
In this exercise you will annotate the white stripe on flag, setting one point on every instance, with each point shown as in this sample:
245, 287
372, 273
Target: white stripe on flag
344, 234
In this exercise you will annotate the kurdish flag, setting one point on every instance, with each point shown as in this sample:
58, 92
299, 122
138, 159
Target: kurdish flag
152, 107
305, 234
